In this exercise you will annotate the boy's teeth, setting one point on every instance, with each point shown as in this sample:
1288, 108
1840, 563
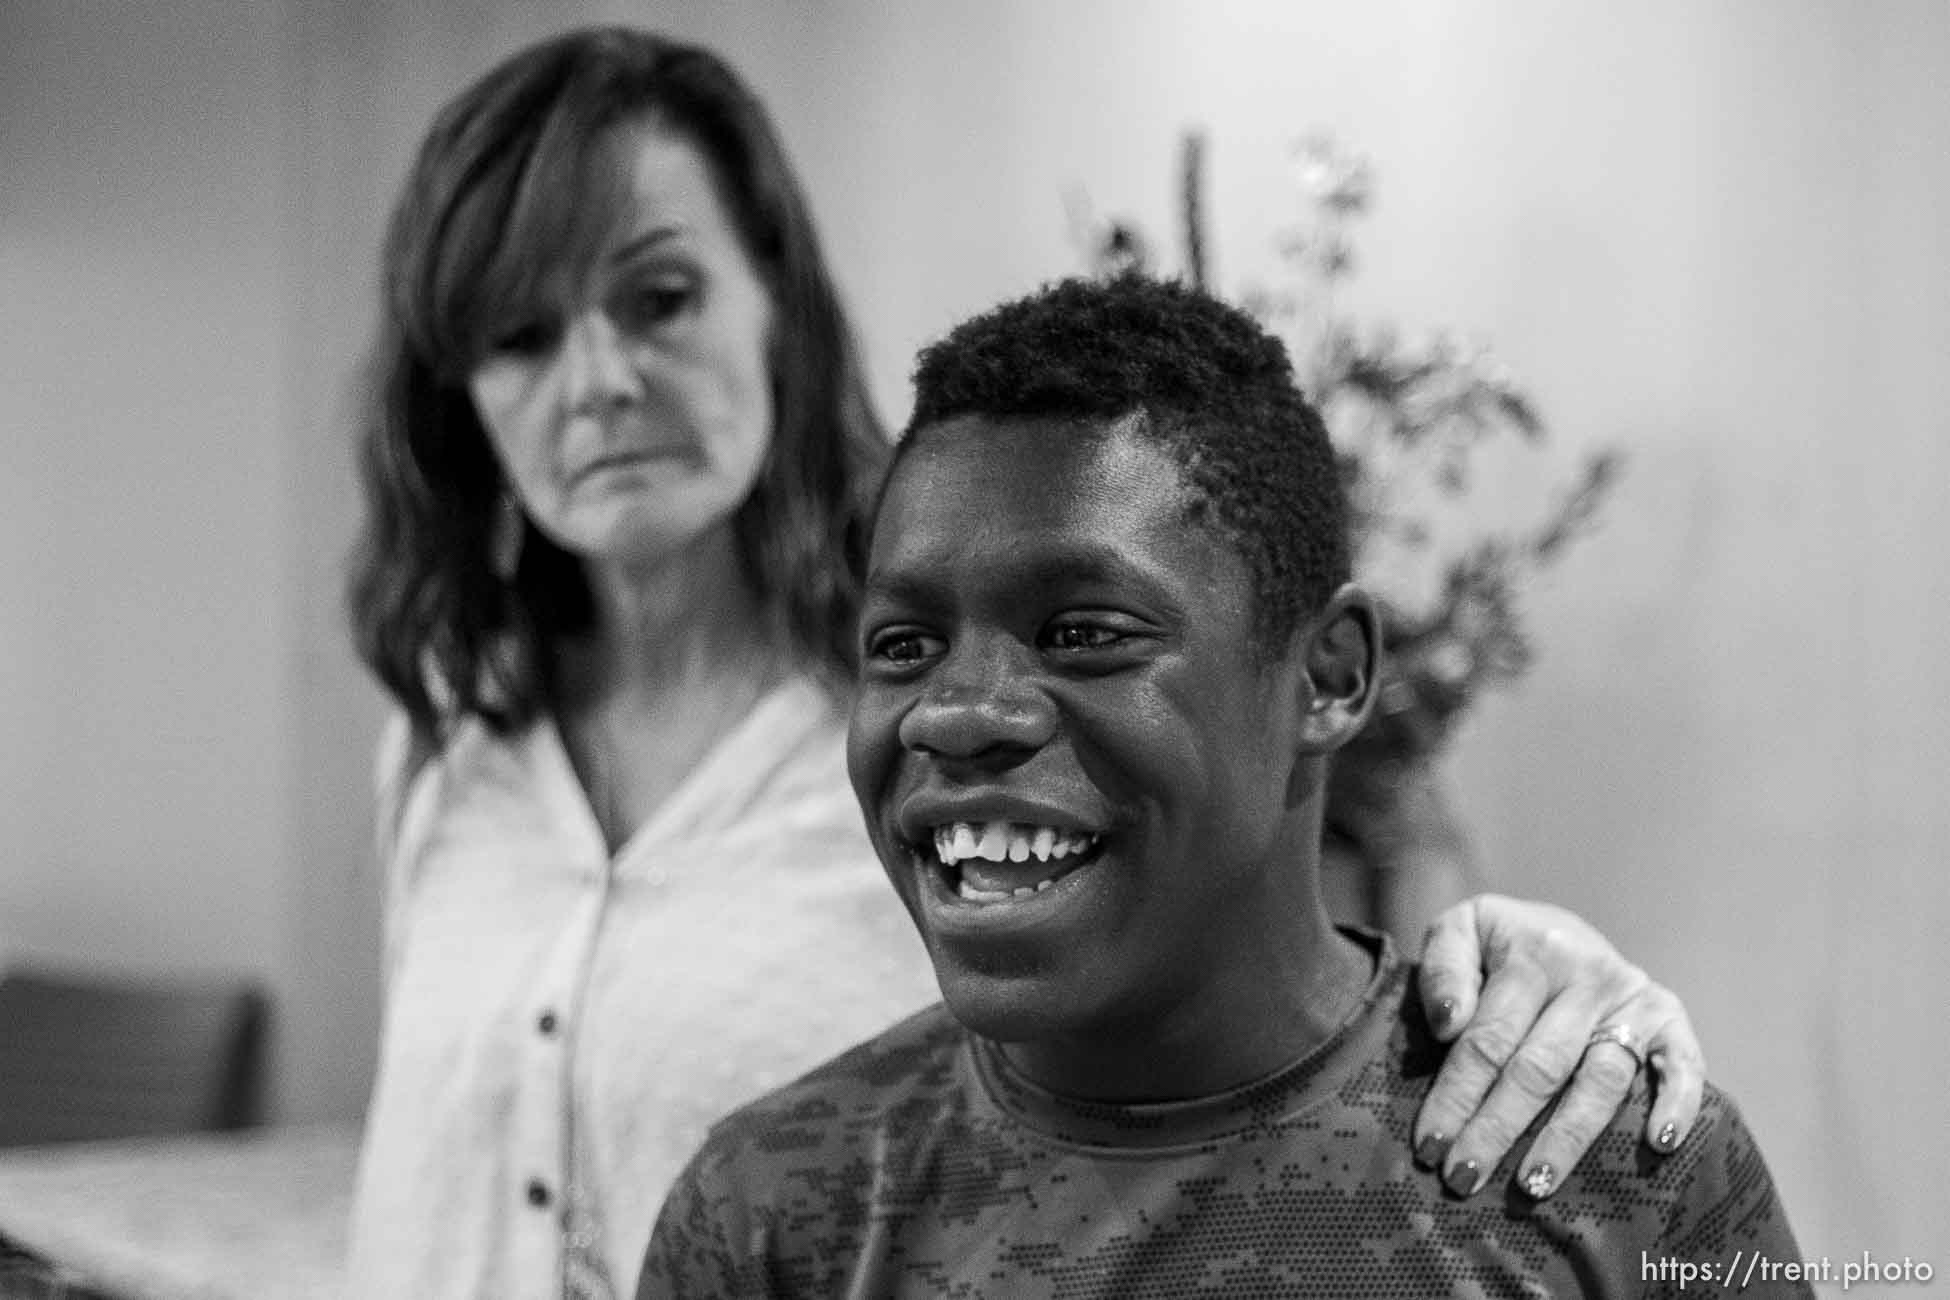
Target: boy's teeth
1006, 842
994, 844
975, 894
986, 854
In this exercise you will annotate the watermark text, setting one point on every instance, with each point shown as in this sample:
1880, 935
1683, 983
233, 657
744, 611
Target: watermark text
1756, 1268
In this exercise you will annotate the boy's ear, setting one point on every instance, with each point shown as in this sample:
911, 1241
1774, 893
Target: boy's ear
1343, 661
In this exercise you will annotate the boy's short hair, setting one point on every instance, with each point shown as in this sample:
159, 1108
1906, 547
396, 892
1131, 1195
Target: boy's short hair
1199, 377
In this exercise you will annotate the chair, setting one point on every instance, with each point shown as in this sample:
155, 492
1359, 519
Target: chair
95, 1056
26, 1276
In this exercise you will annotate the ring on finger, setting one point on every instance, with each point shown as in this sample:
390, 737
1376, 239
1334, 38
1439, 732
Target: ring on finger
1620, 1033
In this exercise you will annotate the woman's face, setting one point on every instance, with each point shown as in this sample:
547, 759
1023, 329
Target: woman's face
636, 415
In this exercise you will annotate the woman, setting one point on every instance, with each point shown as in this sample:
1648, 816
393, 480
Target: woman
617, 465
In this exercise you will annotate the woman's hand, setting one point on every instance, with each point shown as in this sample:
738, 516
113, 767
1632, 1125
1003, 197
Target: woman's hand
1548, 981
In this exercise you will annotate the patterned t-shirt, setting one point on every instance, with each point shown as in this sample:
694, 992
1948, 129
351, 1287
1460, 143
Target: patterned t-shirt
921, 1164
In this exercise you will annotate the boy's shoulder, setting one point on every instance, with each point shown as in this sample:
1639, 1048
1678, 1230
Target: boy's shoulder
907, 1069
1625, 1207
771, 1201
1720, 1162
1713, 1198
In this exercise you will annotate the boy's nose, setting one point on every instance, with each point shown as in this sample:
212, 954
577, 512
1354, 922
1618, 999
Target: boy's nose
596, 370
980, 708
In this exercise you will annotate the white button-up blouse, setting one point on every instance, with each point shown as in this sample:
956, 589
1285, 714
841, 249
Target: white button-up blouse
561, 1026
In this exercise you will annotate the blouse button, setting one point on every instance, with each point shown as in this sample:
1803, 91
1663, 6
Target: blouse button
546, 1023
538, 1193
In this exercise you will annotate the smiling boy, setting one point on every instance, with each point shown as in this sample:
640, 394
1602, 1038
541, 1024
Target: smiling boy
1108, 645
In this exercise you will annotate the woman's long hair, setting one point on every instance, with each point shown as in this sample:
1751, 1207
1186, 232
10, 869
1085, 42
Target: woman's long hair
516, 180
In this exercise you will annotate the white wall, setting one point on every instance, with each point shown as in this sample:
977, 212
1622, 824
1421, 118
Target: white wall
145, 611
1712, 232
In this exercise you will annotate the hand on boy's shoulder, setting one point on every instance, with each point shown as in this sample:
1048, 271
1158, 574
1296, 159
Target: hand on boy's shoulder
1709, 1200
1719, 1168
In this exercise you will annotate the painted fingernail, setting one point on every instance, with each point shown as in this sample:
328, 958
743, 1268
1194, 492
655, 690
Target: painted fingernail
1668, 1137
1431, 1150
1443, 1016
1464, 1178
1538, 1182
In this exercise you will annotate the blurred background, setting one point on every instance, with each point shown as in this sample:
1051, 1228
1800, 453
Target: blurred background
1715, 235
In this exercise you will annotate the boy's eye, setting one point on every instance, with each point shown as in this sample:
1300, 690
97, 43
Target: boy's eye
1082, 636
904, 647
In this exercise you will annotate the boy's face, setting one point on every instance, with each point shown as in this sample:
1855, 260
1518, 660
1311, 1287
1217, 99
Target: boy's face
1072, 763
